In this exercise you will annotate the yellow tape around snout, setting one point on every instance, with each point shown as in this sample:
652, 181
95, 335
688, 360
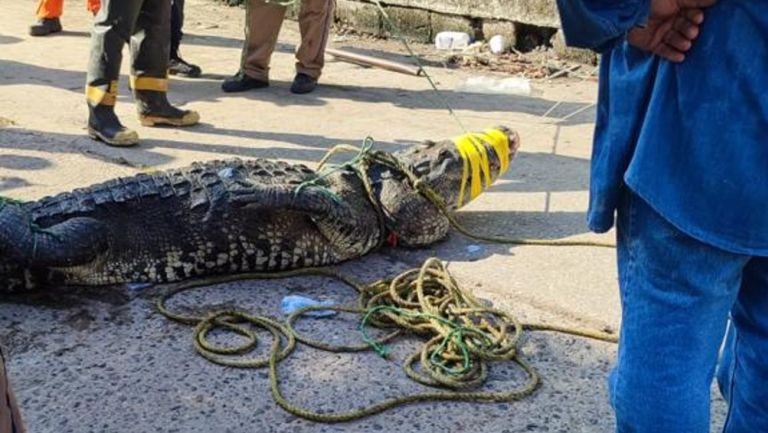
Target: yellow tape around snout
477, 166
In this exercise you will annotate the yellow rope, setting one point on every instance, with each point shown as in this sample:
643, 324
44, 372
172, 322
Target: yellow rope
372, 156
427, 302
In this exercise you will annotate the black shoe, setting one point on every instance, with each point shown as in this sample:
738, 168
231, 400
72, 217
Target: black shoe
178, 66
45, 26
241, 82
104, 125
303, 83
154, 110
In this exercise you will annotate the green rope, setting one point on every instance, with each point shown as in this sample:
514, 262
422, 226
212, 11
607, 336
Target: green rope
329, 169
455, 336
461, 337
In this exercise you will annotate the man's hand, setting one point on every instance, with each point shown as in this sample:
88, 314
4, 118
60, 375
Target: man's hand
672, 27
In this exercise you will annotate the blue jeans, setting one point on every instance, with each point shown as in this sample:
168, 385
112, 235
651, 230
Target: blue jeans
677, 294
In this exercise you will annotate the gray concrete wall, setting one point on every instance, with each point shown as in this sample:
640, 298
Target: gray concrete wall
535, 12
526, 21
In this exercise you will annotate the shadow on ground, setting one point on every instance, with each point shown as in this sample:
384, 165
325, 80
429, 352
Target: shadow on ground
186, 90
5, 39
311, 148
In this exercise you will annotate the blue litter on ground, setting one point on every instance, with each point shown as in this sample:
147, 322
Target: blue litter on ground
292, 303
474, 249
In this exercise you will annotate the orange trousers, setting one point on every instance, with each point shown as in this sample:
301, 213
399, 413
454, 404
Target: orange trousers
54, 8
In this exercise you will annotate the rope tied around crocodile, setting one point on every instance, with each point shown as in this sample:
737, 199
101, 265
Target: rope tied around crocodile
461, 336
366, 155
325, 170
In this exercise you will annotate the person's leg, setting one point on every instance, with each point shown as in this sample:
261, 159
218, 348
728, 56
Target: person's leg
315, 19
111, 29
48, 14
50, 8
177, 65
177, 21
743, 371
676, 293
150, 48
262, 26
93, 6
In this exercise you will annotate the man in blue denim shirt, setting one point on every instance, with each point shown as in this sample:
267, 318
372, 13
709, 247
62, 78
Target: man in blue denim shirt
681, 155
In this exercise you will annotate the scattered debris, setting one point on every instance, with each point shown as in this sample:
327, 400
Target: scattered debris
496, 86
363, 60
539, 63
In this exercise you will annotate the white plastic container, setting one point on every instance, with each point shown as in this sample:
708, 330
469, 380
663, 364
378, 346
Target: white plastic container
496, 86
452, 41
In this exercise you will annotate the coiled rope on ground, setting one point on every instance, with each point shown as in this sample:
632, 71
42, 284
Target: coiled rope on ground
461, 337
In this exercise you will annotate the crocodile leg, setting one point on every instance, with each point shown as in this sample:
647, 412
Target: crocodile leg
345, 228
74, 242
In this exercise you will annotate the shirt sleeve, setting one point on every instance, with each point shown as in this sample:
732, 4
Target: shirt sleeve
598, 24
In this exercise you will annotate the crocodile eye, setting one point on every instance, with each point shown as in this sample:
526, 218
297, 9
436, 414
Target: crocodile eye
422, 167
444, 154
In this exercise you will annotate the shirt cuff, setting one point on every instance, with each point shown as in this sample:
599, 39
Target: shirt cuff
599, 24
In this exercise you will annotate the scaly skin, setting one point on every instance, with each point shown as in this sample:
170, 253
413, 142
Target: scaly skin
221, 217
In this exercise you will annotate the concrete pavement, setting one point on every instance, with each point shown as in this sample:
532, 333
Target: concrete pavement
101, 360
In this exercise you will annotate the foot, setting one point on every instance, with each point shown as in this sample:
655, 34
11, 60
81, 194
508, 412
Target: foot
45, 26
241, 82
178, 66
155, 110
303, 83
104, 125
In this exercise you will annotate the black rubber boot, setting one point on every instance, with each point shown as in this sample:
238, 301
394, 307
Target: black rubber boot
155, 110
178, 66
241, 82
104, 125
303, 83
45, 26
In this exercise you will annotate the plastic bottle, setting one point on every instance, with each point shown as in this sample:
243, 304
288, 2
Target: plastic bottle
452, 40
498, 44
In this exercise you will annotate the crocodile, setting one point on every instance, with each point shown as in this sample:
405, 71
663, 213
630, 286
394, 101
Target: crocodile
236, 216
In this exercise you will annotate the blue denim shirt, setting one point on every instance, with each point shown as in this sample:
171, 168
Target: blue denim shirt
691, 139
